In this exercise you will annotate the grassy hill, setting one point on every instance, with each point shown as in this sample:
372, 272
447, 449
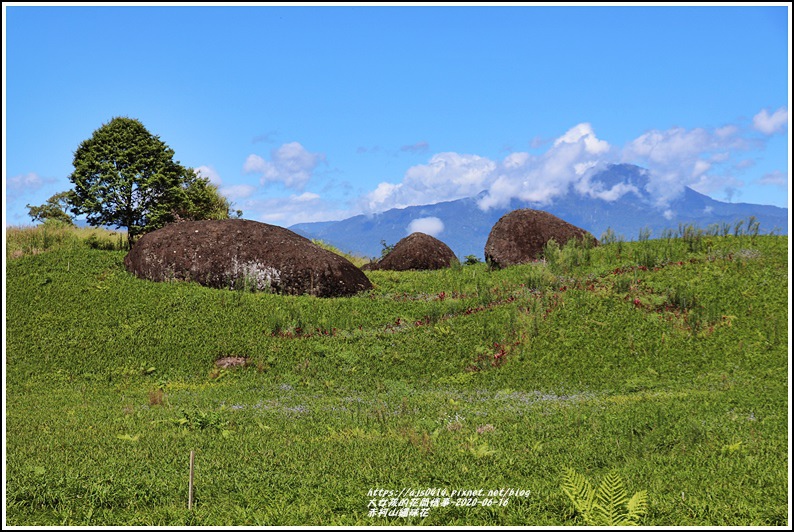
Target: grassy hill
662, 363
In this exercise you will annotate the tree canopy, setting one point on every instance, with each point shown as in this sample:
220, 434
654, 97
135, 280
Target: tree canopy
127, 177
54, 209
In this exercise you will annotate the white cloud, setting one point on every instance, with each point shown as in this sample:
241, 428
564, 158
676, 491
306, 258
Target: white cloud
744, 164
447, 176
210, 173
776, 178
572, 159
306, 197
23, 189
583, 132
769, 124
711, 183
726, 131
290, 164
707, 160
597, 190
382, 198
700, 168
674, 144
430, 226
26, 183
254, 163
237, 192
515, 160
293, 209
678, 158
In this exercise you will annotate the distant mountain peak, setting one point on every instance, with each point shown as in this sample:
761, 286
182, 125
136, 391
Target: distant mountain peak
616, 197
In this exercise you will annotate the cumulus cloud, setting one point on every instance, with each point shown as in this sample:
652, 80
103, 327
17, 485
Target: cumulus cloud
707, 160
22, 188
583, 132
295, 208
571, 160
769, 124
230, 192
210, 173
680, 157
26, 183
237, 192
29, 186
430, 226
447, 176
290, 164
614, 193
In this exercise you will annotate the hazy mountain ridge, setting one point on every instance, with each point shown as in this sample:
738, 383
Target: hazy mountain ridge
466, 226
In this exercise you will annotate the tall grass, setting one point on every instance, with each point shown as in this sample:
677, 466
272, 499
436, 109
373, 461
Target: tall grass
357, 260
51, 235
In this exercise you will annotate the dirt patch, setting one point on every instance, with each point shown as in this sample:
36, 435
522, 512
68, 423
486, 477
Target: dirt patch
229, 362
519, 236
243, 254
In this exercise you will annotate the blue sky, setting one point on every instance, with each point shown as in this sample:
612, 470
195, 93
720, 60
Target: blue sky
304, 113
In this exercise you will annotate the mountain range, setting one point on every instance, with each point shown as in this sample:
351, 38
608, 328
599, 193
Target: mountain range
466, 226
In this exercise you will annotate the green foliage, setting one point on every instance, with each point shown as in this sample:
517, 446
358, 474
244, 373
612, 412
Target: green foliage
552, 253
471, 260
54, 209
609, 505
387, 248
673, 376
608, 237
198, 419
125, 176
202, 201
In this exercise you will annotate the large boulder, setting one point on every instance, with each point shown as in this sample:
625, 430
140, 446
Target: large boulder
416, 251
519, 236
232, 253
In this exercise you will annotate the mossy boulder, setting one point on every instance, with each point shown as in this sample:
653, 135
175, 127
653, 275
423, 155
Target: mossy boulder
243, 253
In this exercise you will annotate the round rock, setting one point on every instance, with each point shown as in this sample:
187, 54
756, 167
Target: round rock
417, 251
243, 253
519, 236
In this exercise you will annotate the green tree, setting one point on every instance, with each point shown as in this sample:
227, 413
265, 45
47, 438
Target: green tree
127, 177
203, 201
54, 209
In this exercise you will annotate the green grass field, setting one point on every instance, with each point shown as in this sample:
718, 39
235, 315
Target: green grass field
663, 363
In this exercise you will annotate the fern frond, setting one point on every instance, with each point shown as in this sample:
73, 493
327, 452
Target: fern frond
610, 505
579, 491
611, 500
637, 506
